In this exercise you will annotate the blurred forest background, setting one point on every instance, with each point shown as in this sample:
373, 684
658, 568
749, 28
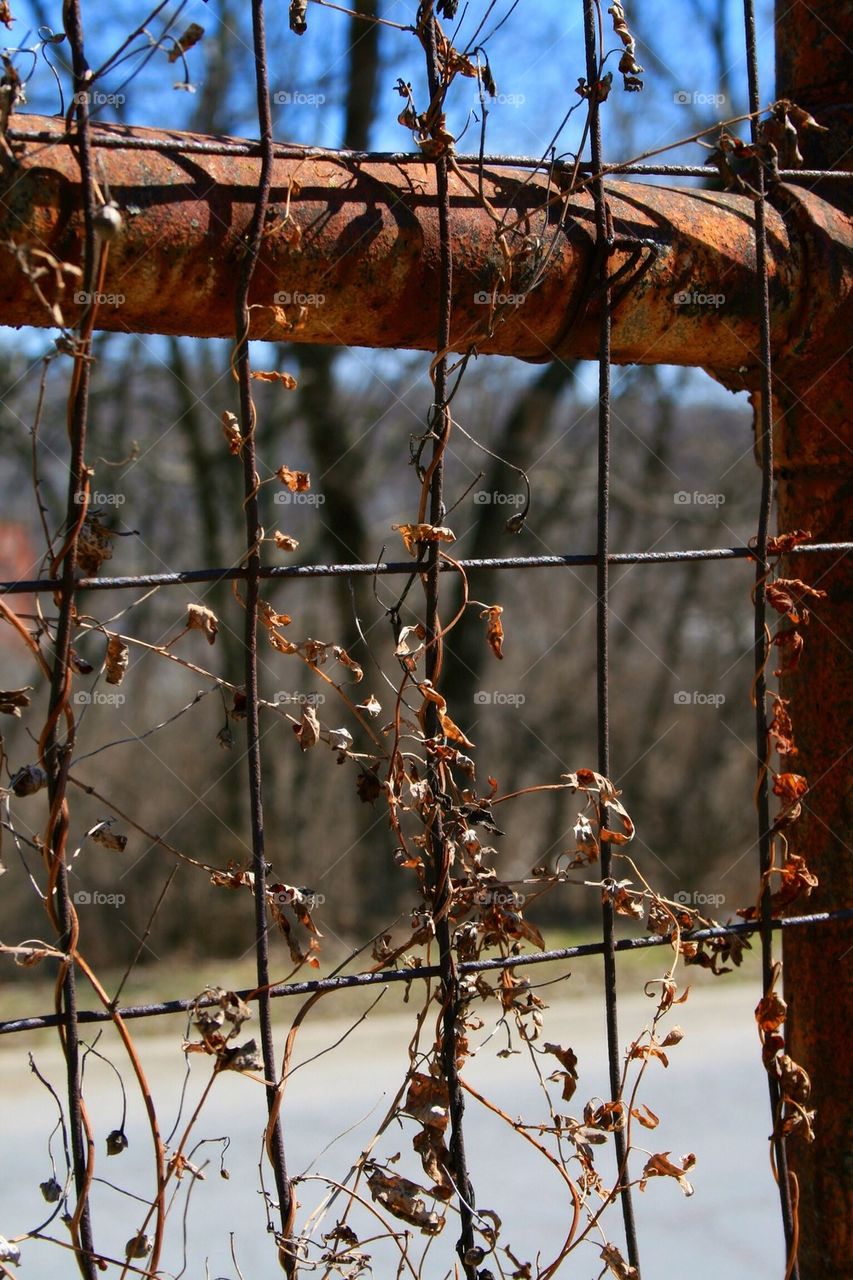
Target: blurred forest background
681, 657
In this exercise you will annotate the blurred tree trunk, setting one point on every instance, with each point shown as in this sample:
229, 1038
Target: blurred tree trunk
524, 432
336, 439
332, 432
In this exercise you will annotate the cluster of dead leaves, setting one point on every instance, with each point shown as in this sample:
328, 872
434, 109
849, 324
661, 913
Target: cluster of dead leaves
604, 797
428, 128
795, 881
94, 545
778, 147
288, 906
218, 1017
629, 68
414, 535
786, 596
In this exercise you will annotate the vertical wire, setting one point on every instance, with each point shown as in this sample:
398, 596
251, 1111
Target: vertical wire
56, 755
614, 1057
440, 424
254, 534
762, 738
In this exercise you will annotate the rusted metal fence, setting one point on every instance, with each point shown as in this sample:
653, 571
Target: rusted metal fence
616, 252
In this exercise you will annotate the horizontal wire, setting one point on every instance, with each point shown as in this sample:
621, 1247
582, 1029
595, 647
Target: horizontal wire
194, 146
381, 568
12, 1025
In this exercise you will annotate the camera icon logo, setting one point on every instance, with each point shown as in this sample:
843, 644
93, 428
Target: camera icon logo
481, 697
82, 898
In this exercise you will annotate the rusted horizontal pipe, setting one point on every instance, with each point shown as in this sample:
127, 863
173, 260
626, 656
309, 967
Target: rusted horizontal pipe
351, 253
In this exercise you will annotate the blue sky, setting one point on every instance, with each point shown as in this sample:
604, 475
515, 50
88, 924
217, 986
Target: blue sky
536, 58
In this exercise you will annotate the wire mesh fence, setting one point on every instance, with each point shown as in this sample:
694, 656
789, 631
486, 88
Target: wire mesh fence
409, 755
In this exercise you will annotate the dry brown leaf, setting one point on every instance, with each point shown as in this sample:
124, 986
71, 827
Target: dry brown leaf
569, 1076
117, 659
790, 787
783, 543
244, 1057
427, 1101
616, 1264
648, 1051
308, 729
340, 654
770, 1013
435, 1158
785, 595
494, 628
591, 782
660, 1166
200, 618
190, 37
284, 542
94, 545
12, 700
452, 731
286, 380
295, 481
290, 911
103, 834
231, 431
646, 1116
780, 729
415, 533
28, 780
403, 650
790, 644
405, 1200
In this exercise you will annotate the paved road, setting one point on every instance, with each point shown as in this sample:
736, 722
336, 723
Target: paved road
712, 1100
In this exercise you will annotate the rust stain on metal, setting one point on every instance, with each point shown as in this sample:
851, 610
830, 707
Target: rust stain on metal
813, 448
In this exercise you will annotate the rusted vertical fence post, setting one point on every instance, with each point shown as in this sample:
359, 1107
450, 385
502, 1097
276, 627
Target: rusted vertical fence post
814, 469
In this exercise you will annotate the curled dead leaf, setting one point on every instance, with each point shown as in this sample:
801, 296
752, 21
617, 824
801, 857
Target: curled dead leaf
185, 41
284, 542
102, 833
200, 618
494, 629
412, 534
94, 545
295, 481
308, 729
12, 700
117, 660
28, 780
405, 1200
285, 380
231, 431
660, 1166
